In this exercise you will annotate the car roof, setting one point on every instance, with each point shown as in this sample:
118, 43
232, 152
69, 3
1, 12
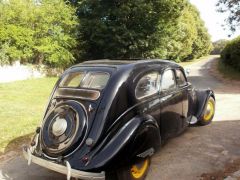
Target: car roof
128, 63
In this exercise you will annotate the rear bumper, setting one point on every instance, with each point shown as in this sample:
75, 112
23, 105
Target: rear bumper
61, 168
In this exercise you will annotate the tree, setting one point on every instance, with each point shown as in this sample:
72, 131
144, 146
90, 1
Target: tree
170, 29
232, 8
218, 46
38, 32
202, 46
188, 38
125, 29
182, 36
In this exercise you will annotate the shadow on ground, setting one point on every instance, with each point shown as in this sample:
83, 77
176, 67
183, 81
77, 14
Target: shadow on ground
16, 144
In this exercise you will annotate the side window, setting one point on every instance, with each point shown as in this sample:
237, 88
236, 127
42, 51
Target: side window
168, 80
181, 80
147, 85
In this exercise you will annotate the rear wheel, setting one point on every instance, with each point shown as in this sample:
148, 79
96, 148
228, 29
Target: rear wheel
136, 171
209, 112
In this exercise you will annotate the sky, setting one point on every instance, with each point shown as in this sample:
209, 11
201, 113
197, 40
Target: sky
213, 19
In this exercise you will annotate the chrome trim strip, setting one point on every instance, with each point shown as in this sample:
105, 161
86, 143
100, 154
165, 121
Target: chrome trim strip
63, 169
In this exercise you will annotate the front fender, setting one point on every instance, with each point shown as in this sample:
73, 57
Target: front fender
202, 97
134, 137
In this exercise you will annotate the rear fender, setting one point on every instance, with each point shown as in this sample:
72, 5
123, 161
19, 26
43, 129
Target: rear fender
202, 98
138, 138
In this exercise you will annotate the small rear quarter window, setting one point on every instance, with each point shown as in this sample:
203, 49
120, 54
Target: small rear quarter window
147, 85
181, 80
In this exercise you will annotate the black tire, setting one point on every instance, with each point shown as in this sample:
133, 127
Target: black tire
133, 173
208, 113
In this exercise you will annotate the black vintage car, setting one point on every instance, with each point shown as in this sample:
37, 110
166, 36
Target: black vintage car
108, 117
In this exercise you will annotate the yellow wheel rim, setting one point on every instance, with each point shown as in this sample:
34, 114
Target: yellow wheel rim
139, 170
209, 111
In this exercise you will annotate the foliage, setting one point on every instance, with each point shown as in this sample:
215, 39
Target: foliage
37, 32
169, 29
231, 53
4, 59
48, 31
202, 45
232, 8
219, 46
180, 35
189, 39
125, 29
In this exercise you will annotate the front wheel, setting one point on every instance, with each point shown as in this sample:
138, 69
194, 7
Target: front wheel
208, 113
136, 171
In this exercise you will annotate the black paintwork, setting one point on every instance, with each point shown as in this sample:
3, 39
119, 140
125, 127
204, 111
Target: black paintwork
120, 126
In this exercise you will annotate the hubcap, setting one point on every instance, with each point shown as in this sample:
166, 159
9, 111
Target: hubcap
59, 126
209, 111
139, 170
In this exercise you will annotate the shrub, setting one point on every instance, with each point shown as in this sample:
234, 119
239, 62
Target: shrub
231, 53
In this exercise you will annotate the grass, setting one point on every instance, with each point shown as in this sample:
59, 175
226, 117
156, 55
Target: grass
196, 60
21, 108
228, 71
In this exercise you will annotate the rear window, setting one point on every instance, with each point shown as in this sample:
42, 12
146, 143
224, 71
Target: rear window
91, 80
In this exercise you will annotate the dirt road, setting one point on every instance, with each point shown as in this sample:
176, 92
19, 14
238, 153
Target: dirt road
198, 150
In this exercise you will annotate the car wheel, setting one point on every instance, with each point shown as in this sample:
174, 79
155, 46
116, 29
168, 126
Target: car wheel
208, 113
136, 171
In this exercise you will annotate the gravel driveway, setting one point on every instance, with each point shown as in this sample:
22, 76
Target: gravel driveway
199, 150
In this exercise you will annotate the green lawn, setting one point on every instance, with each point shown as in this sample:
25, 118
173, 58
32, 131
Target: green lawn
21, 108
227, 71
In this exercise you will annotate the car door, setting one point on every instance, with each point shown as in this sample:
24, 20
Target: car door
183, 89
171, 105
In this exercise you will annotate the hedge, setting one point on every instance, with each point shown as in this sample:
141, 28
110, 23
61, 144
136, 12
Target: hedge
231, 53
